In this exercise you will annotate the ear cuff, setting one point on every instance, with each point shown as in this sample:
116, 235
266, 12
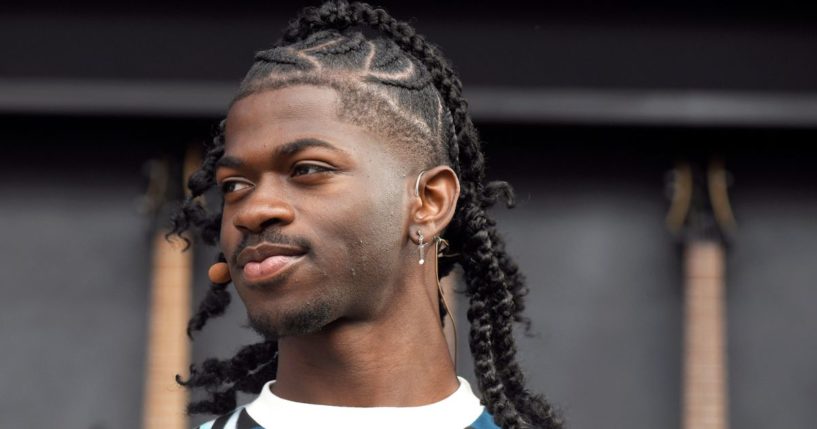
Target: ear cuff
417, 184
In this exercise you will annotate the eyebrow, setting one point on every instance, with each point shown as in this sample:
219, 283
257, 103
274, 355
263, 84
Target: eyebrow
286, 150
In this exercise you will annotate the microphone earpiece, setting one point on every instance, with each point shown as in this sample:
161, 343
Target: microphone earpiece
219, 273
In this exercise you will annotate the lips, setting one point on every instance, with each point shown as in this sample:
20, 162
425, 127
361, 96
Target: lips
267, 260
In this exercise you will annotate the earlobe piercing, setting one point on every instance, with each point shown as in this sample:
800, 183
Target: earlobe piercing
219, 273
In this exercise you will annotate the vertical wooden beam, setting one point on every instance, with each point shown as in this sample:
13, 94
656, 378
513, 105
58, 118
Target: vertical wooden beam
705, 404
701, 216
168, 346
168, 349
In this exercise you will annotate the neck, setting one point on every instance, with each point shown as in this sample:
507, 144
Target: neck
399, 359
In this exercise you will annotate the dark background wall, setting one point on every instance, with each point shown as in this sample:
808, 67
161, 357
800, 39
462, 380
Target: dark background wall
584, 108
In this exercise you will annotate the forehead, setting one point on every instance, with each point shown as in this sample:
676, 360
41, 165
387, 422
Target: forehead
274, 117
304, 107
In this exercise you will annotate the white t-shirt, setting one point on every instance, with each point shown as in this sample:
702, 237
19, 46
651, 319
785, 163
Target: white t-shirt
462, 409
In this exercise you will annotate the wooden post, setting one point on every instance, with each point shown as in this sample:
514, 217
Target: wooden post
168, 346
701, 217
704, 401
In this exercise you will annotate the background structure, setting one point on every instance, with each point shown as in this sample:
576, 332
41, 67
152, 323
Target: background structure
584, 108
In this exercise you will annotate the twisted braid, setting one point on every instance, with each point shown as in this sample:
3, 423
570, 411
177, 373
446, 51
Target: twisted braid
248, 370
213, 305
504, 311
482, 273
320, 37
502, 409
192, 214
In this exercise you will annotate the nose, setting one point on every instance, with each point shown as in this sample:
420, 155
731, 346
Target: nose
264, 208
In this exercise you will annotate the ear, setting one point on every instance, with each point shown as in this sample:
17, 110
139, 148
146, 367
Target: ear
436, 199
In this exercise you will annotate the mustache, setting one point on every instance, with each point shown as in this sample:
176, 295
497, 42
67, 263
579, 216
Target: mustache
271, 236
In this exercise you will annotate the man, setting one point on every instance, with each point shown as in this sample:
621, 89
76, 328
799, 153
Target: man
347, 164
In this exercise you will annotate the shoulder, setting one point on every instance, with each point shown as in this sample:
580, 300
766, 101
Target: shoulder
484, 421
236, 419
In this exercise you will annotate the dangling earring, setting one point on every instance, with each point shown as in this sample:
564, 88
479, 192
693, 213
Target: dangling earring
219, 273
421, 247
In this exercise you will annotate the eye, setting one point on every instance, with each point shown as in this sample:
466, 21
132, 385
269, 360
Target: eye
309, 168
229, 186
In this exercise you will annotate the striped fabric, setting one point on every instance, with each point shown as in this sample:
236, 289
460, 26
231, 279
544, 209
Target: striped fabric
238, 419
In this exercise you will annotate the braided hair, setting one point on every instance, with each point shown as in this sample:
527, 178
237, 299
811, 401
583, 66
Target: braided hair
400, 85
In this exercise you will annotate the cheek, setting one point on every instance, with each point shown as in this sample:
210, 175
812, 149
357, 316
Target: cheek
227, 239
368, 231
381, 246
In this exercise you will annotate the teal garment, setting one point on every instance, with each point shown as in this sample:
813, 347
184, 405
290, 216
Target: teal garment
485, 421
239, 419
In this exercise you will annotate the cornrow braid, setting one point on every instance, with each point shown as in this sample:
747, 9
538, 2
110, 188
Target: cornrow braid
340, 15
417, 98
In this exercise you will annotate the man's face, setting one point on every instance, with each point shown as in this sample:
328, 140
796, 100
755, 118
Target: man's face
314, 213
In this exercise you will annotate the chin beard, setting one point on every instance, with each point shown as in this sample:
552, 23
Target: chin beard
305, 320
